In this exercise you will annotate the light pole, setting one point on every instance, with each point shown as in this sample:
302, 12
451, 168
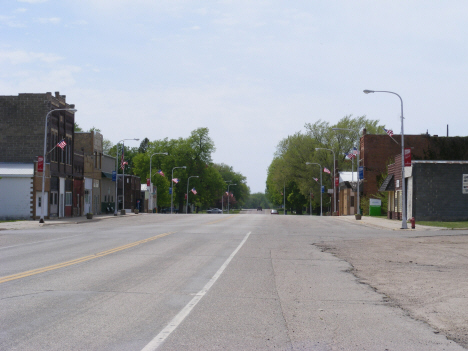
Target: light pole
43, 202
229, 195
334, 174
222, 197
172, 186
151, 176
284, 197
357, 167
404, 225
117, 175
313, 163
188, 181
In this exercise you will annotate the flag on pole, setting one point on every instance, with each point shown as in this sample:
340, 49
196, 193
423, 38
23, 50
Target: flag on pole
175, 180
194, 191
161, 173
316, 179
389, 132
355, 151
227, 193
326, 170
62, 144
122, 159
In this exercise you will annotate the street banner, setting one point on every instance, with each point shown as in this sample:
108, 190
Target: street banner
40, 163
407, 157
337, 181
361, 172
323, 189
114, 176
170, 190
148, 182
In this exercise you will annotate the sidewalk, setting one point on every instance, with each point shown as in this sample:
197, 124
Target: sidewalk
31, 224
384, 223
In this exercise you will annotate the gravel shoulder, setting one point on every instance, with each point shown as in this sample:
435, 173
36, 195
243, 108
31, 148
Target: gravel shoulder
424, 275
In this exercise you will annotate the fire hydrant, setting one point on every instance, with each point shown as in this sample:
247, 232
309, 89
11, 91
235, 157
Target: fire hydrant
413, 223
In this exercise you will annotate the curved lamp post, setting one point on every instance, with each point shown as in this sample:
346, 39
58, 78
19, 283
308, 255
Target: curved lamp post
404, 225
357, 167
229, 195
41, 220
151, 176
334, 174
188, 181
172, 186
117, 173
313, 163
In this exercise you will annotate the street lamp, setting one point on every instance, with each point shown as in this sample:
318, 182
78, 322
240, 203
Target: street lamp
41, 220
404, 225
188, 181
222, 197
313, 163
334, 173
172, 186
229, 194
151, 176
117, 173
359, 139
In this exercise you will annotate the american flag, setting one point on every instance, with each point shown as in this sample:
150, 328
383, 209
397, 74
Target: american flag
160, 172
175, 180
326, 170
389, 132
316, 179
355, 151
227, 193
62, 144
194, 191
122, 159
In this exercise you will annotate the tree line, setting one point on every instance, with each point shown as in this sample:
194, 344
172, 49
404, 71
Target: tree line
195, 153
288, 173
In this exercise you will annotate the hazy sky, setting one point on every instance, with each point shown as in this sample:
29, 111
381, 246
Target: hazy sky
253, 72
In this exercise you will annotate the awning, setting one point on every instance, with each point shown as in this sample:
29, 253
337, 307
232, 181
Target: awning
388, 184
106, 175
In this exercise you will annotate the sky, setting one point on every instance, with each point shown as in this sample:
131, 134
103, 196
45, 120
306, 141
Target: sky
253, 72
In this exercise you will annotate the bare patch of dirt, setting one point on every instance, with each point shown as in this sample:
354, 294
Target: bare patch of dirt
426, 276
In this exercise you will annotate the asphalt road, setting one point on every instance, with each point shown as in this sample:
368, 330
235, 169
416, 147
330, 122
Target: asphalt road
253, 281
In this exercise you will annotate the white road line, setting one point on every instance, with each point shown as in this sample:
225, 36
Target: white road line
179, 318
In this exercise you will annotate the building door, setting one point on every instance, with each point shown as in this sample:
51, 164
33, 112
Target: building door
53, 203
40, 203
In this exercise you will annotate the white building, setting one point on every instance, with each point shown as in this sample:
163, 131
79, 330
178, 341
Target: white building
16, 191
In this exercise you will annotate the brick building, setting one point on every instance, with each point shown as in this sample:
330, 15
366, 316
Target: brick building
435, 190
22, 121
91, 145
378, 151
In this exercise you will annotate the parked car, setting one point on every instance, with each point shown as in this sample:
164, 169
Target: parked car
214, 210
259, 208
274, 212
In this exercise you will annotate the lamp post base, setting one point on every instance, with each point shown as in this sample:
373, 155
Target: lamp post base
41, 220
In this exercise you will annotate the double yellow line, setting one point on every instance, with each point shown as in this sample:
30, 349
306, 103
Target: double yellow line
78, 260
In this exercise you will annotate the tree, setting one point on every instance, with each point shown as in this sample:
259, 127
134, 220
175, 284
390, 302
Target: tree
289, 165
77, 128
143, 146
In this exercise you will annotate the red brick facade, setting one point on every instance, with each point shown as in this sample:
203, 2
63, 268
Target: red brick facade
379, 150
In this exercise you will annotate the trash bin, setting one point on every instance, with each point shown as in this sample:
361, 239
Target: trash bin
154, 210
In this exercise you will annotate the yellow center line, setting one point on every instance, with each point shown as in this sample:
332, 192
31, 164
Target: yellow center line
78, 260
220, 220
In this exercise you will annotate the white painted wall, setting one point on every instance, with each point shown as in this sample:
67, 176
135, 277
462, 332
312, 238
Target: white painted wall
15, 197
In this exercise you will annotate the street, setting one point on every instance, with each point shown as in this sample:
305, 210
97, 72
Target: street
250, 281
